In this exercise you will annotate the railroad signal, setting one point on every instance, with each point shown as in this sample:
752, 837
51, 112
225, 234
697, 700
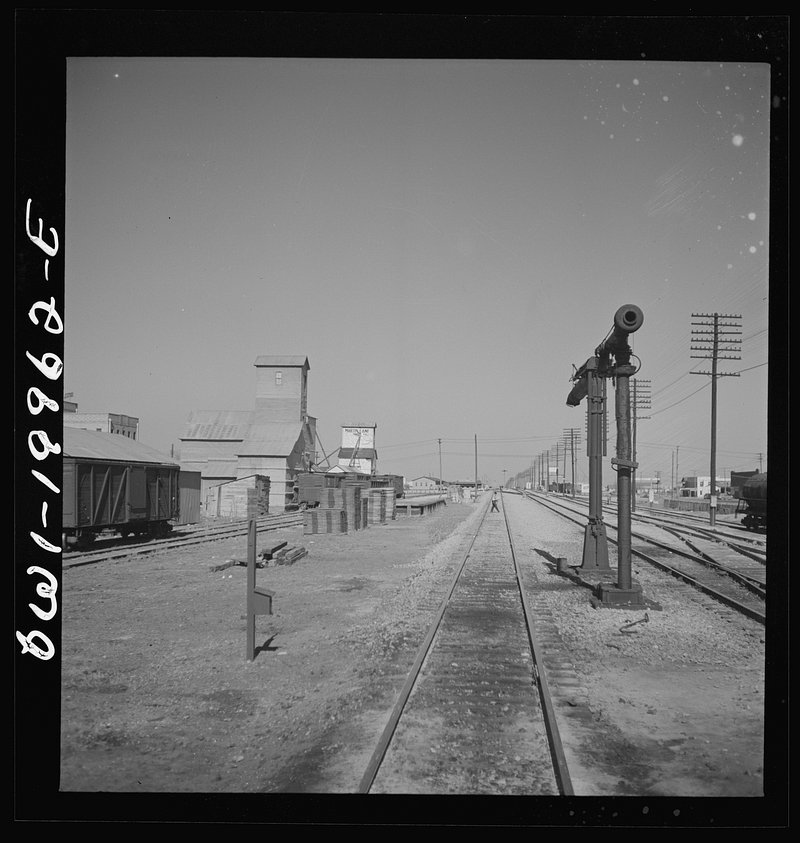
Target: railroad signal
589, 380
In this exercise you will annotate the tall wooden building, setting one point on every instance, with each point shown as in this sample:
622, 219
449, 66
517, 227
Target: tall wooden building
275, 439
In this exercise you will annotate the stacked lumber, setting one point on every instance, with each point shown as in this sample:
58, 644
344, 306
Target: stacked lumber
288, 556
340, 509
391, 504
351, 494
309, 486
377, 506
279, 554
324, 520
245, 498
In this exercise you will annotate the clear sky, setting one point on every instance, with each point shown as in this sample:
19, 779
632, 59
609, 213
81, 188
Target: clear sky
443, 239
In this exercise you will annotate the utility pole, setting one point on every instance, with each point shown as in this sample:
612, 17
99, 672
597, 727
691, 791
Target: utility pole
556, 467
441, 479
640, 397
714, 348
476, 466
672, 474
571, 434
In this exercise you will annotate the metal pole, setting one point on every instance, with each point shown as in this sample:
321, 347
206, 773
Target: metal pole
633, 446
476, 466
624, 464
441, 479
712, 503
572, 457
595, 546
556, 467
251, 587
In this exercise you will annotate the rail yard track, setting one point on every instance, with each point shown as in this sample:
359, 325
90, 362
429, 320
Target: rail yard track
721, 568
475, 714
117, 549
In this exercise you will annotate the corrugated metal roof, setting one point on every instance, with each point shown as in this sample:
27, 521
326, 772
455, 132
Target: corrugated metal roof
281, 360
91, 444
271, 439
218, 424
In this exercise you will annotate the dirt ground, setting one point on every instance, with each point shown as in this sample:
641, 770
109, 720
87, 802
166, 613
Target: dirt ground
158, 697
158, 694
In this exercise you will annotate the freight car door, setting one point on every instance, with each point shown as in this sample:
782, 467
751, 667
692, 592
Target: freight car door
137, 493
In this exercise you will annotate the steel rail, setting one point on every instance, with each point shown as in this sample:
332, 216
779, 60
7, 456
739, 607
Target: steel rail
748, 611
379, 753
92, 557
560, 766
557, 755
756, 555
744, 580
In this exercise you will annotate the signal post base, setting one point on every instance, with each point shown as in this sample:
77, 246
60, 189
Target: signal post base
611, 596
595, 548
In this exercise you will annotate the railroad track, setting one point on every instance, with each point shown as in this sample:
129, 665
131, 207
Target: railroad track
475, 714
130, 548
730, 534
736, 583
723, 527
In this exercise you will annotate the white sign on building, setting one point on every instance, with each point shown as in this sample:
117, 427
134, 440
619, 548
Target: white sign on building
358, 437
357, 452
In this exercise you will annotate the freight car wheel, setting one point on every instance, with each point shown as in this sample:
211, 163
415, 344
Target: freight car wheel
85, 539
159, 529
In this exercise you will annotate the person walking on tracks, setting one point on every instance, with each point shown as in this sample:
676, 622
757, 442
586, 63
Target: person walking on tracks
494, 503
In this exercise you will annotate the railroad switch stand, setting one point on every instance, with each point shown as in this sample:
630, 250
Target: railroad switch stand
259, 600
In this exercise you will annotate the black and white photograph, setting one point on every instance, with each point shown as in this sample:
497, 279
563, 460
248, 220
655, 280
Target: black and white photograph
393, 417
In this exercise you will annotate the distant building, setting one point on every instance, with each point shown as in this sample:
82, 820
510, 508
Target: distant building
275, 439
99, 422
358, 449
697, 487
424, 484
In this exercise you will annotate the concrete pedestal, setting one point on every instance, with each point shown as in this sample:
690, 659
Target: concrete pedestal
610, 595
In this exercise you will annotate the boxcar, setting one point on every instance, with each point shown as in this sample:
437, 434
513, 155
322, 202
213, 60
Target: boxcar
114, 484
753, 502
395, 481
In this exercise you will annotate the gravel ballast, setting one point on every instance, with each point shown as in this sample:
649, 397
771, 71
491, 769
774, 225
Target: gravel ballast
158, 697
